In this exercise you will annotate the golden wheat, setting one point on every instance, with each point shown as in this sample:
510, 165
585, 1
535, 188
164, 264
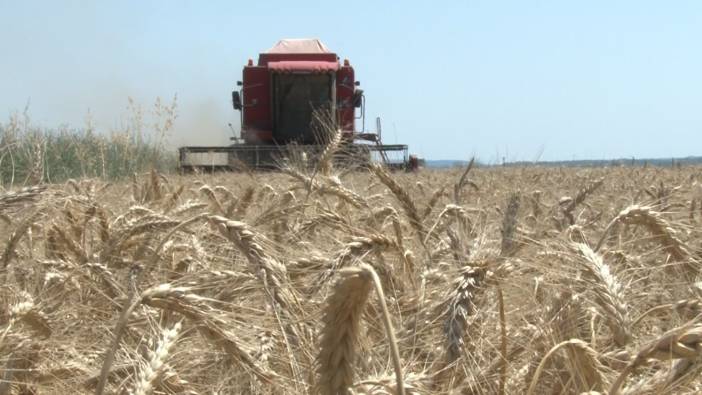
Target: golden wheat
293, 282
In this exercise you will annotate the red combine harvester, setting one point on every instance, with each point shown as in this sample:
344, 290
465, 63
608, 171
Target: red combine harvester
297, 90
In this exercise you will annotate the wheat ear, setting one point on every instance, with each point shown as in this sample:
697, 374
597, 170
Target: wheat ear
180, 300
509, 226
679, 343
609, 294
579, 198
654, 223
244, 202
342, 318
212, 197
692, 305
326, 163
269, 270
433, 200
462, 182
576, 345
460, 306
155, 366
28, 313
17, 235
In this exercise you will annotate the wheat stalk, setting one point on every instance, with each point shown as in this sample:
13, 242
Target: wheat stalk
11, 200
403, 197
454, 212
503, 341
132, 302
339, 191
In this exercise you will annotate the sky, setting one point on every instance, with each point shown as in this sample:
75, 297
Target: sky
513, 80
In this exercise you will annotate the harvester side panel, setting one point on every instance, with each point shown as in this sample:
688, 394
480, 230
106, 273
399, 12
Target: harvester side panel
257, 126
345, 87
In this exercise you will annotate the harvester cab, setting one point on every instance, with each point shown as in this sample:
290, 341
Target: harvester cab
295, 91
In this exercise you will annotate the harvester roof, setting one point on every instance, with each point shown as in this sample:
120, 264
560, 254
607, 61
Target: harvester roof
299, 46
298, 50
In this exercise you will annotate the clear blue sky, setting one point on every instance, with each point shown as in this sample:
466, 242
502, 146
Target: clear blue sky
521, 79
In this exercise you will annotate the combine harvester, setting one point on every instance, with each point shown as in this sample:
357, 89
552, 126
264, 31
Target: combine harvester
290, 101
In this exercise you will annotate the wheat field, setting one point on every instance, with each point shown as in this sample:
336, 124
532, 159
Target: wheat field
481, 280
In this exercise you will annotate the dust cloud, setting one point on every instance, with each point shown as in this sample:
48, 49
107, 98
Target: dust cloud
204, 122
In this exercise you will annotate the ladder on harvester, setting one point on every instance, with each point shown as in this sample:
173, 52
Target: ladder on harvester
383, 154
379, 141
